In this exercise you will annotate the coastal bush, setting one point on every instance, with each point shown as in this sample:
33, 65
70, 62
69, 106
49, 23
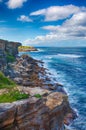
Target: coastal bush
12, 96
26, 48
10, 58
5, 82
38, 96
11, 91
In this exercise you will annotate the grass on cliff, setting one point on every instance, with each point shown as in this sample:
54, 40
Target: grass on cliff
10, 58
38, 96
11, 92
12, 96
6, 82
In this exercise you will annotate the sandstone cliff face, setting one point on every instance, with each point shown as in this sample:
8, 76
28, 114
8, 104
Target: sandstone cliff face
50, 111
47, 113
6, 48
10, 47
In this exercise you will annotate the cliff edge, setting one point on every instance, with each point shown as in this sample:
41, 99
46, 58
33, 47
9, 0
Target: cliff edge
46, 107
47, 113
8, 52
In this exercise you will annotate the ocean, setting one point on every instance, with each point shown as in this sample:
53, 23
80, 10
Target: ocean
68, 67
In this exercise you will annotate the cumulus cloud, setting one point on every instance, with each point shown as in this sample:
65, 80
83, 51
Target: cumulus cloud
24, 18
72, 28
12, 4
41, 39
55, 37
75, 26
55, 13
78, 19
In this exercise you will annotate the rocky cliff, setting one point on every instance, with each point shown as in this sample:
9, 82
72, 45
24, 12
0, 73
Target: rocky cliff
47, 106
47, 113
8, 50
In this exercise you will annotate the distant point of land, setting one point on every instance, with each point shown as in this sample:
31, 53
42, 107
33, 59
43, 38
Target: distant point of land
26, 48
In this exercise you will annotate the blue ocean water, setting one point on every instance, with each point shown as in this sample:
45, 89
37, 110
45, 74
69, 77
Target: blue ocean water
68, 66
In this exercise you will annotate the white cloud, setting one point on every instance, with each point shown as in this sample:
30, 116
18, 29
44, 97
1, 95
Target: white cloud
24, 18
39, 12
55, 13
41, 39
73, 28
77, 19
55, 37
12, 4
50, 28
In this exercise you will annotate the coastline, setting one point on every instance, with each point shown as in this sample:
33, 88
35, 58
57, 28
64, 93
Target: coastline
53, 95
38, 102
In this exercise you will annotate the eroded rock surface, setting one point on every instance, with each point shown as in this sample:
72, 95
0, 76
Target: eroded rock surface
28, 72
46, 113
7, 48
50, 111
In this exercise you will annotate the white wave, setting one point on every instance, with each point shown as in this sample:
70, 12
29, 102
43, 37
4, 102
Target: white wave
49, 57
63, 56
40, 50
69, 128
69, 55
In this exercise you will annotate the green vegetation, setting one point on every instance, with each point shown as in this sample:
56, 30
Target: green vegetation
6, 82
11, 92
26, 48
10, 58
38, 96
12, 96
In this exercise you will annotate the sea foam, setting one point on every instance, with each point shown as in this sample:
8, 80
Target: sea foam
63, 56
69, 55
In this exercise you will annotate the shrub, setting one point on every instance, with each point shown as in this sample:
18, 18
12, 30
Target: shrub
10, 58
12, 96
12, 93
38, 96
5, 82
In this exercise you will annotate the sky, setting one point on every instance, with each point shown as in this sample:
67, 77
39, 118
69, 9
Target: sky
59, 23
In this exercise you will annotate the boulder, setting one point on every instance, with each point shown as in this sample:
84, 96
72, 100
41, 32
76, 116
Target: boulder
27, 83
18, 80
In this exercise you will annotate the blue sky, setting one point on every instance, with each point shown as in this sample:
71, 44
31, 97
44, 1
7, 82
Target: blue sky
44, 22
